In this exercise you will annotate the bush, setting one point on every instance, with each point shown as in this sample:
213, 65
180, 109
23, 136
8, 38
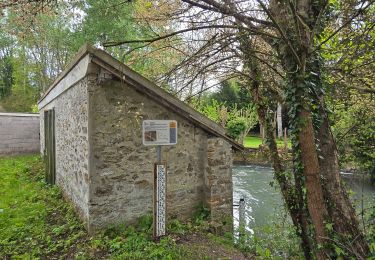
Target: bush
236, 127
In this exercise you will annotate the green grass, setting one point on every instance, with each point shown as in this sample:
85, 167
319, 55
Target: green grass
35, 222
255, 141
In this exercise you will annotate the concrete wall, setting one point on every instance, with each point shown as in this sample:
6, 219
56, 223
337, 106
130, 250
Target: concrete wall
19, 133
72, 147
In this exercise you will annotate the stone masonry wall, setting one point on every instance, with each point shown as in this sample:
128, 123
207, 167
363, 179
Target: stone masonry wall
19, 133
122, 184
72, 148
218, 181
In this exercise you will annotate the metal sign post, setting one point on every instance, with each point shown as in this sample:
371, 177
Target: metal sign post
159, 132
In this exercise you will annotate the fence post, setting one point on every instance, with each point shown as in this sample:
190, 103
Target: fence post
241, 221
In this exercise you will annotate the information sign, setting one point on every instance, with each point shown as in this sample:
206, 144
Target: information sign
159, 132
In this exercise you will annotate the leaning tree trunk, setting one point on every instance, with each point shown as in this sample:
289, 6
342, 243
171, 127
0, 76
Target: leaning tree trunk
292, 195
343, 215
313, 185
294, 51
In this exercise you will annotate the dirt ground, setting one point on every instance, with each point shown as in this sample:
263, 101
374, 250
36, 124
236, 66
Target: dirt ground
205, 248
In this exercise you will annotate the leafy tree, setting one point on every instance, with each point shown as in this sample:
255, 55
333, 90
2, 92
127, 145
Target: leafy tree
227, 93
238, 122
6, 67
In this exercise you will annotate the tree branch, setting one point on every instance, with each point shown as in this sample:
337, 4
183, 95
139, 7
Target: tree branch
225, 9
282, 33
111, 44
343, 26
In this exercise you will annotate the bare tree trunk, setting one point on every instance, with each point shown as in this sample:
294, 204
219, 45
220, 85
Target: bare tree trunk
261, 131
285, 139
279, 121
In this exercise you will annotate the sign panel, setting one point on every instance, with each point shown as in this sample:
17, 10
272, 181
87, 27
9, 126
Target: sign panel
159, 132
160, 199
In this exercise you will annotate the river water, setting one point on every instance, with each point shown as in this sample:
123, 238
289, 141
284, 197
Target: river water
264, 203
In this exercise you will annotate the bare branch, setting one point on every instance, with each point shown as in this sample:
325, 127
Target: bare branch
111, 44
225, 9
359, 11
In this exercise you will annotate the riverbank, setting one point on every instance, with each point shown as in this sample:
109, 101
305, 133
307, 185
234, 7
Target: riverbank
35, 222
260, 157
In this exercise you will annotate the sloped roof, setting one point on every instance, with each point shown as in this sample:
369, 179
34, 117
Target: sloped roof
140, 83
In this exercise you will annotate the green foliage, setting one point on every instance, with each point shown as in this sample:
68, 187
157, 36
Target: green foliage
202, 214
228, 93
274, 241
6, 66
233, 94
255, 142
114, 21
175, 226
27, 205
6, 76
236, 127
215, 111
126, 243
354, 128
20, 100
238, 122
145, 223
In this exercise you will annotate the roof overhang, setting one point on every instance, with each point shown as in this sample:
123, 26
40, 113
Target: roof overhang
80, 67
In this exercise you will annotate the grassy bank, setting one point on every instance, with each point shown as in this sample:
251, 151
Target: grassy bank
35, 222
255, 141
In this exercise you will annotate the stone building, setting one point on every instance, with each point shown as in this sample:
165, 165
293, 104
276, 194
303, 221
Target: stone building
91, 134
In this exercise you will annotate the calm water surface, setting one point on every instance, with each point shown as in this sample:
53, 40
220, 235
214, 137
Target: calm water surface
263, 202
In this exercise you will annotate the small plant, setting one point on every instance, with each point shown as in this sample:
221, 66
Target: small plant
202, 214
177, 227
145, 223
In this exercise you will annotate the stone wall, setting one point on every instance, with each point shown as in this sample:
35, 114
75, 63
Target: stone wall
218, 181
72, 148
19, 133
122, 184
